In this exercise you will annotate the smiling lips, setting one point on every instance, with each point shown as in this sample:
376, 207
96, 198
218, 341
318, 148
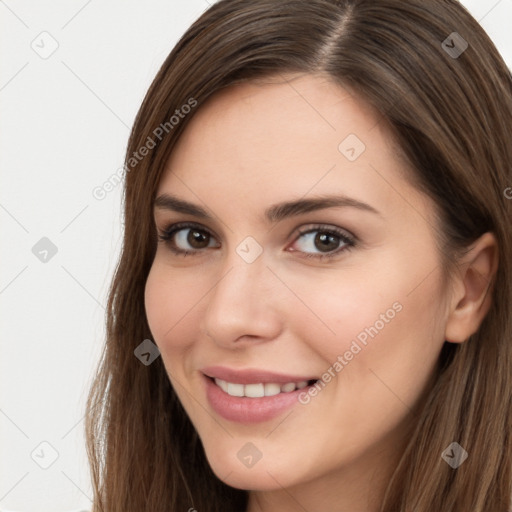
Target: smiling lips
249, 396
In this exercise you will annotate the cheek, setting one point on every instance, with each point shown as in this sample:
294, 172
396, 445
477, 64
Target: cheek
171, 298
387, 324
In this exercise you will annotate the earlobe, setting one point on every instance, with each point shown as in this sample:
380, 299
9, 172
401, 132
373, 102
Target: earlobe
474, 285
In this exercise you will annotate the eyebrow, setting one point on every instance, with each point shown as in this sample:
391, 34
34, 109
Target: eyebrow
274, 213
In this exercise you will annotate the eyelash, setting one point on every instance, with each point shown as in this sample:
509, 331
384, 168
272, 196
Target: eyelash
166, 237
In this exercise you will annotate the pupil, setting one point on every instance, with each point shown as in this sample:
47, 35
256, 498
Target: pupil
197, 239
326, 242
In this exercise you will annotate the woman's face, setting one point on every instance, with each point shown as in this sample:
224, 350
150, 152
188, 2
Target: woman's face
309, 257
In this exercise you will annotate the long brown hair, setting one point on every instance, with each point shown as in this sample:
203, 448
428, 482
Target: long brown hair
451, 114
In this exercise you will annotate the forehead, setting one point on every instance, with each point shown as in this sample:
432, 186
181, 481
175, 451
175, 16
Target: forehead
284, 138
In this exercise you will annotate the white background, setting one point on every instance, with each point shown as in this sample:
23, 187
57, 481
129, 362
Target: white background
65, 122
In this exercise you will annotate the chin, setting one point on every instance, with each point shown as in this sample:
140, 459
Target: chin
263, 475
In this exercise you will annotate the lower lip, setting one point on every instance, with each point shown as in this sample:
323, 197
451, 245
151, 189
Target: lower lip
249, 410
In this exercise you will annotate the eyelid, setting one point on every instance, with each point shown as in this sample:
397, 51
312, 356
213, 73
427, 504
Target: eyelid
173, 227
324, 227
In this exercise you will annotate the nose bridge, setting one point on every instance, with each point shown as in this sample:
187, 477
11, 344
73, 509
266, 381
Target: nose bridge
240, 302
240, 285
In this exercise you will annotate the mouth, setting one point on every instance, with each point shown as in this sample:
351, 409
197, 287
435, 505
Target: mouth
252, 396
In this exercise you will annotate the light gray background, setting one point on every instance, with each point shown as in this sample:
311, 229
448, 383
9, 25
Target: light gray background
65, 123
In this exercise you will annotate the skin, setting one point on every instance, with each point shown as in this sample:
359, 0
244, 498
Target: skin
249, 147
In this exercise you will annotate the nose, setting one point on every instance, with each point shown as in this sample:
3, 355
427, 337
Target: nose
243, 306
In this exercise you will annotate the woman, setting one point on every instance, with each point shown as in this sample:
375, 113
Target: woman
317, 245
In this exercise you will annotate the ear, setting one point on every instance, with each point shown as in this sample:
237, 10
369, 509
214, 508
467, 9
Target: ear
472, 287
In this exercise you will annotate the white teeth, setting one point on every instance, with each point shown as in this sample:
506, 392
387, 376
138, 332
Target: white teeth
254, 390
272, 389
222, 384
235, 389
259, 390
289, 386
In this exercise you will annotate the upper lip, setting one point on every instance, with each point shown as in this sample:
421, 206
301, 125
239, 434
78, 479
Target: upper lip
251, 375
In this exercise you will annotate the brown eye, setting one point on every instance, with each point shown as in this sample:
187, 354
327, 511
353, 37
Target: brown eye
326, 242
322, 242
197, 239
187, 239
